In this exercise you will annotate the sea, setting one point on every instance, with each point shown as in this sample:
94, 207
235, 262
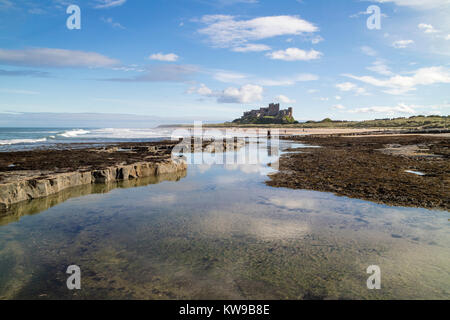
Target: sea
29, 138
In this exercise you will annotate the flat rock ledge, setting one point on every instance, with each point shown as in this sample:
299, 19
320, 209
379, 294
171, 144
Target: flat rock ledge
33, 187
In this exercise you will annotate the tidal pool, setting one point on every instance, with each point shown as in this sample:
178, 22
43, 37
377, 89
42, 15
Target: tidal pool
220, 233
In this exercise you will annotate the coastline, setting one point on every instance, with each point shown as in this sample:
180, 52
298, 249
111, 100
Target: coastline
357, 163
36, 174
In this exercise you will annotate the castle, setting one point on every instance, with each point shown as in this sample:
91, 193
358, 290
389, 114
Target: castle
272, 114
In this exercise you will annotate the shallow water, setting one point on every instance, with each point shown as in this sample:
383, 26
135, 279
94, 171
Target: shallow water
220, 233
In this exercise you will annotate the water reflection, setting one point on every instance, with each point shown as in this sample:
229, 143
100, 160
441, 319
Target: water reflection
16, 211
222, 233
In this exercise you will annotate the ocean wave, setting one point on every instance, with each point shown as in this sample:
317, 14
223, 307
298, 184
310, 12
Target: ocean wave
21, 141
125, 133
103, 134
73, 133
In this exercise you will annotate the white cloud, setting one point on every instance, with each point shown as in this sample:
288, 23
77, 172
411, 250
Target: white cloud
427, 28
284, 99
15, 91
169, 57
161, 73
346, 86
368, 51
104, 4
400, 108
226, 31
447, 37
418, 4
338, 98
401, 44
380, 67
112, 23
317, 39
287, 81
240, 78
230, 76
398, 84
36, 10
339, 107
202, 90
367, 12
49, 57
251, 47
349, 86
246, 94
294, 54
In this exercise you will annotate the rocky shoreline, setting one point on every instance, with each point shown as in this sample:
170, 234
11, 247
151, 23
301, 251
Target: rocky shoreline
16, 211
399, 170
36, 174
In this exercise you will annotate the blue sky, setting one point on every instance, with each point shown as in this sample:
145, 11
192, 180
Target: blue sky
213, 59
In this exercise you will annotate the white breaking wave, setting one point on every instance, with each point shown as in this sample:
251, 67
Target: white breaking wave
97, 134
74, 133
20, 141
116, 133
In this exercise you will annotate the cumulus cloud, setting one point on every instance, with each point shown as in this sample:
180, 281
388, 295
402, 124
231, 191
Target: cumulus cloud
105, 4
169, 57
294, 54
399, 84
339, 107
246, 94
49, 57
227, 31
202, 90
284, 99
401, 44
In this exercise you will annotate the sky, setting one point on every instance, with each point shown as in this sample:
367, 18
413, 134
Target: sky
211, 60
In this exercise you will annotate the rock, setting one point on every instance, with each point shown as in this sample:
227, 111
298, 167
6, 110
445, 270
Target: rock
34, 187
